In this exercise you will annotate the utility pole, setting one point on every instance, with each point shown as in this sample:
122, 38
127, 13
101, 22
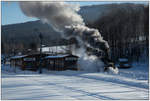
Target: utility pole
56, 45
41, 39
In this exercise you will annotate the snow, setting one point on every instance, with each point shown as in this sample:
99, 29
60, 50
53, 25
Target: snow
54, 49
126, 65
138, 71
57, 56
128, 84
123, 60
18, 56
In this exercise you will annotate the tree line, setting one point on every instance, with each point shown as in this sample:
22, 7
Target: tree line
126, 28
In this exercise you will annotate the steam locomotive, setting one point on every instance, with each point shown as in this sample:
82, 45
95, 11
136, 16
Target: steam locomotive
103, 55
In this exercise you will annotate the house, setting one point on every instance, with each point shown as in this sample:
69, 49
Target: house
49, 61
61, 62
27, 62
17, 60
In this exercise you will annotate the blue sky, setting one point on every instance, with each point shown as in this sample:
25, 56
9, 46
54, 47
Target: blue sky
11, 12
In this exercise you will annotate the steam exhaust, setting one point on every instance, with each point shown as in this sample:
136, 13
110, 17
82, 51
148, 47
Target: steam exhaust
64, 18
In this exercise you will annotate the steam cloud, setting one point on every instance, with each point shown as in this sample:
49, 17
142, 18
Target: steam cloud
57, 14
64, 18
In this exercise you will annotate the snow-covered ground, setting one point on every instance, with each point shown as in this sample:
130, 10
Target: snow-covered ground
128, 84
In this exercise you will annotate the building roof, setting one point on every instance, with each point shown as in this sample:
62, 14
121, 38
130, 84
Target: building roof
59, 56
18, 56
45, 57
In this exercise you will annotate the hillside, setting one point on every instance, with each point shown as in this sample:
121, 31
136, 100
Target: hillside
22, 31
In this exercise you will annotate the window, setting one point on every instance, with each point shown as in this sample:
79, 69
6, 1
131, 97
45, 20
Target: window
71, 59
29, 59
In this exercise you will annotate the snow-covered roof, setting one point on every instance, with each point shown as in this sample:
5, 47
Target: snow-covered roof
56, 56
18, 56
123, 59
54, 49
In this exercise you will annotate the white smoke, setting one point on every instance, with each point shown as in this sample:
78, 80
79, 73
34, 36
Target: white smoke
57, 14
90, 63
64, 18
